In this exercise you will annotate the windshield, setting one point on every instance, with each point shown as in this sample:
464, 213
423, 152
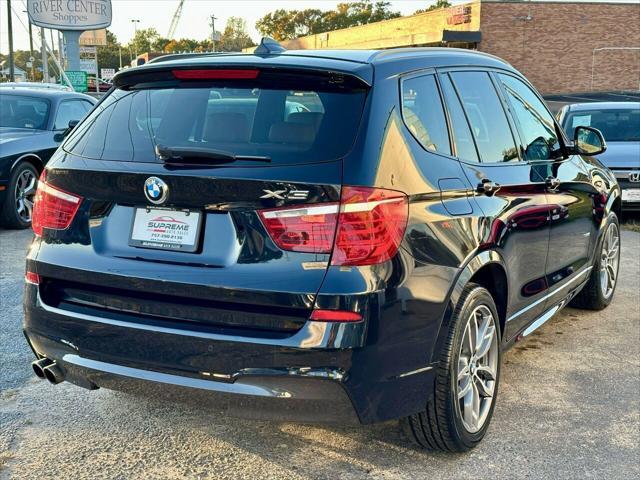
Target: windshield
18, 111
620, 125
287, 126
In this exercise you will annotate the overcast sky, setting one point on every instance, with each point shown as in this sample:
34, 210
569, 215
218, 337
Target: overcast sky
194, 22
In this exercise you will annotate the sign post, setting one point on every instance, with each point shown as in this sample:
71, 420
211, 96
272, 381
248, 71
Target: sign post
72, 18
78, 80
107, 73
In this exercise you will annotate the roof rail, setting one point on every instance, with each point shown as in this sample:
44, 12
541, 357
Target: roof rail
268, 46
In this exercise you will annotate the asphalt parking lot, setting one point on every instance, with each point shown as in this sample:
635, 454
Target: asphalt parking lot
569, 407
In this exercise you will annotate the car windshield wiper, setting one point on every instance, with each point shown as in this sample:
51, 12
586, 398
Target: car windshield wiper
188, 155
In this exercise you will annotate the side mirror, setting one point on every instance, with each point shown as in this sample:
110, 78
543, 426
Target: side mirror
58, 137
588, 141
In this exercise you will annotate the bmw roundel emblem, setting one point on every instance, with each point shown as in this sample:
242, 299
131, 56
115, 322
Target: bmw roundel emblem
156, 190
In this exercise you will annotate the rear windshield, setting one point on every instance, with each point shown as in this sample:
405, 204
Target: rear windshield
288, 126
621, 125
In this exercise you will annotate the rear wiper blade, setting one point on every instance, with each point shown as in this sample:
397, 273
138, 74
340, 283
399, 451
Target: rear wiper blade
199, 154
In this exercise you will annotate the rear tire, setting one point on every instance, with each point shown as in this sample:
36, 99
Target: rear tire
601, 286
18, 204
463, 373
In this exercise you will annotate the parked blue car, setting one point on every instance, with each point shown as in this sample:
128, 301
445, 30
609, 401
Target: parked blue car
32, 123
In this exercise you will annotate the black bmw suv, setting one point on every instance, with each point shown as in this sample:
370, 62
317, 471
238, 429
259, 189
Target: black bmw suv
347, 236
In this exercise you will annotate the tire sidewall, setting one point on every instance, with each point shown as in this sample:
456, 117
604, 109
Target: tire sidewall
9, 213
477, 296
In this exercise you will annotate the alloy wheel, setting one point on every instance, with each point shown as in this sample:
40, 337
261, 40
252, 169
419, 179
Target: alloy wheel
24, 194
477, 369
609, 260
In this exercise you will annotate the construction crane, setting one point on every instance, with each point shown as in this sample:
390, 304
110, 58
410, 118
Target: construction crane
175, 20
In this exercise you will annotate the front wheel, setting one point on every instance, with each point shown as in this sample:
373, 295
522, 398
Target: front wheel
598, 292
458, 413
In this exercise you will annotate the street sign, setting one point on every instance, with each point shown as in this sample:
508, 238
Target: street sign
94, 37
70, 15
107, 73
89, 65
78, 80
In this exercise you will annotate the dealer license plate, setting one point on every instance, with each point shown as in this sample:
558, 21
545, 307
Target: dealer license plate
631, 195
166, 229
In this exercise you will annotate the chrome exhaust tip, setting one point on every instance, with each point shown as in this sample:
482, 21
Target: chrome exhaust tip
39, 366
53, 373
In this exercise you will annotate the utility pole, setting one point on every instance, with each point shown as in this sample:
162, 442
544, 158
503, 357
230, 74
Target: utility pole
213, 31
60, 49
45, 60
12, 70
135, 32
31, 57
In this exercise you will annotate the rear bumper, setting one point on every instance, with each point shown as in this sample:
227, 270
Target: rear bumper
277, 397
312, 376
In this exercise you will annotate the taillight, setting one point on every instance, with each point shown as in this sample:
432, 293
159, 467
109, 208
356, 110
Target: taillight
216, 74
366, 228
32, 278
371, 225
309, 228
53, 208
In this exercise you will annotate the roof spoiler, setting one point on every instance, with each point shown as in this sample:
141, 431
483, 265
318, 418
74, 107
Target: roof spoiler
268, 46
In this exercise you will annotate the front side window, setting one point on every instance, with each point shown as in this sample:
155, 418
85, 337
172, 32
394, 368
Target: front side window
487, 118
70, 110
19, 111
536, 123
289, 126
423, 113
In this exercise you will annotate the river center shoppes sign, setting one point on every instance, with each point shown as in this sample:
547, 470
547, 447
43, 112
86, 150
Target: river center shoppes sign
70, 14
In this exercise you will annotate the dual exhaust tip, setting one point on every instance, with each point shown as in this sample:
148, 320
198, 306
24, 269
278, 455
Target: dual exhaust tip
49, 370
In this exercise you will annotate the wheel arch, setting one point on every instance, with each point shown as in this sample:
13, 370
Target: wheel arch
488, 269
616, 206
32, 158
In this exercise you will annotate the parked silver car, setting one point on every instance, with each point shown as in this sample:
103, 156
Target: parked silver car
619, 122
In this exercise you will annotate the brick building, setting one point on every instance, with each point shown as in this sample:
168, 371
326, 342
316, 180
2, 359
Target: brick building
556, 45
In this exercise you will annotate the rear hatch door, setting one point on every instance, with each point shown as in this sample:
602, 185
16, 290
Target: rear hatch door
208, 196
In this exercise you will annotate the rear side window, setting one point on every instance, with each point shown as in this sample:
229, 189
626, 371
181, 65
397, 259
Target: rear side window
423, 113
462, 138
289, 126
536, 123
487, 118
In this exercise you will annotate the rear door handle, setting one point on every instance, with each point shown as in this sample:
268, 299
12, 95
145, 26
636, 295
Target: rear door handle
488, 187
552, 183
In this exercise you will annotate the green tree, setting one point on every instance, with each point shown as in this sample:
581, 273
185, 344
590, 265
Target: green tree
435, 6
20, 58
280, 24
159, 44
288, 24
235, 36
143, 40
109, 54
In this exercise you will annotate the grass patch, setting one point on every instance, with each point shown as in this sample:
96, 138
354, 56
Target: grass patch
631, 223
